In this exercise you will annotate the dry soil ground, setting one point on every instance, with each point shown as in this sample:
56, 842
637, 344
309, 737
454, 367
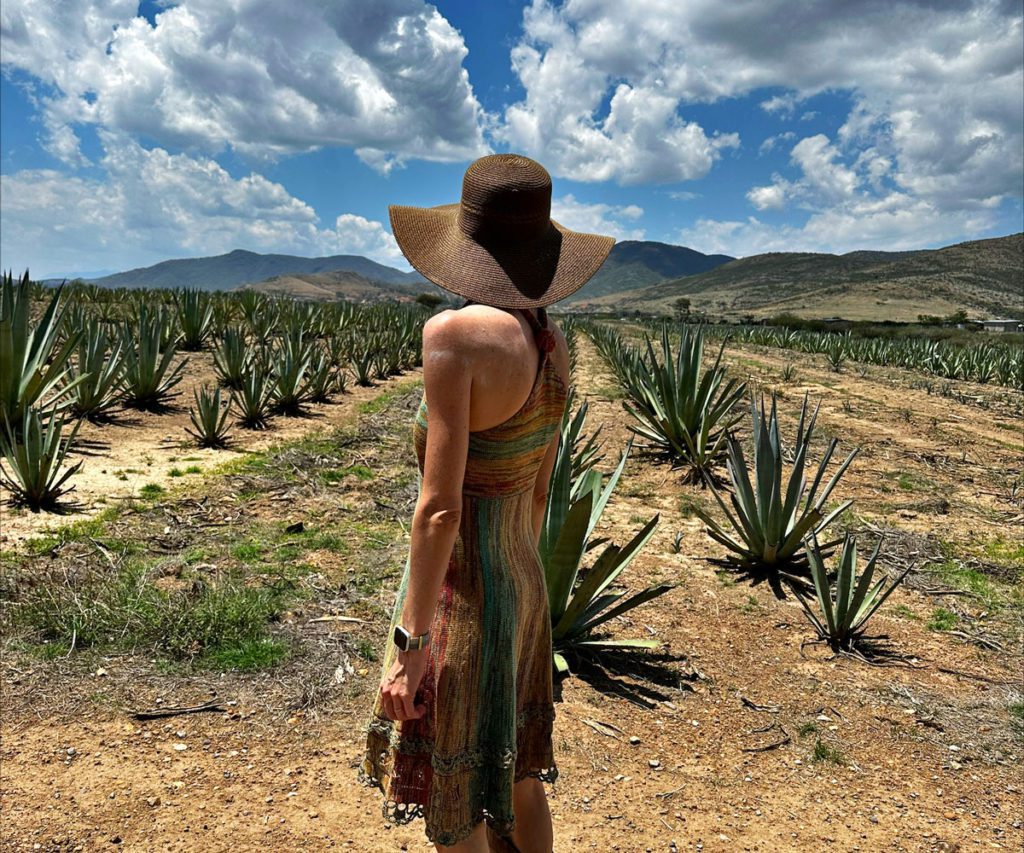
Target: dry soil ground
867, 758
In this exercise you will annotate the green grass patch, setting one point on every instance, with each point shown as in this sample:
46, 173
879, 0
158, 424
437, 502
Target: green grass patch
383, 400
824, 752
366, 649
256, 462
903, 612
1016, 712
1005, 553
125, 609
960, 576
807, 728
80, 531
152, 490
942, 620
175, 472
247, 656
327, 540
334, 475
751, 605
247, 552
908, 481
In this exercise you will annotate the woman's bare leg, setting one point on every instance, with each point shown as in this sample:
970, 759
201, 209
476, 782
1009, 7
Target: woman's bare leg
475, 843
533, 832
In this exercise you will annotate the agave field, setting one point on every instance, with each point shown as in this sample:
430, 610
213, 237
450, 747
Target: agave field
986, 362
783, 573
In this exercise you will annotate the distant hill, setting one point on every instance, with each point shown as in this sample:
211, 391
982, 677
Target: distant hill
224, 272
329, 286
635, 263
984, 277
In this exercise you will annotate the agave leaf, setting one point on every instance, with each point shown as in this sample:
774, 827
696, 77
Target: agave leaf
884, 596
864, 583
821, 587
620, 644
636, 600
844, 581
563, 562
588, 588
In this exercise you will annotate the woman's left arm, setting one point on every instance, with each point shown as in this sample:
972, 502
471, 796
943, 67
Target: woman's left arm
447, 381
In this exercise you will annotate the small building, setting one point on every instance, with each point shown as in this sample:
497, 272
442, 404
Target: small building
1002, 325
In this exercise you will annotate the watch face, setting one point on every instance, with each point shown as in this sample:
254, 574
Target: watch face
401, 638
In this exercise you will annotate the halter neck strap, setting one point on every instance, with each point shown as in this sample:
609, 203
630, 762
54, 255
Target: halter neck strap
544, 336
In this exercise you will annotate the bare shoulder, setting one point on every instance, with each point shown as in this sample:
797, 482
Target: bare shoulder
467, 329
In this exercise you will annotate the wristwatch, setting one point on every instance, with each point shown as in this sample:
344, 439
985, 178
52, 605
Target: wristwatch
406, 641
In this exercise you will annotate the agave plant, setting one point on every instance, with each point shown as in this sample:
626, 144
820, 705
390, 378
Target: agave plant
842, 615
573, 510
148, 374
195, 315
253, 399
322, 381
291, 363
682, 409
771, 519
32, 364
363, 362
97, 392
209, 417
231, 358
35, 454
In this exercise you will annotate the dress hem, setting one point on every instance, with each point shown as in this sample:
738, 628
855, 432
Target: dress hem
401, 814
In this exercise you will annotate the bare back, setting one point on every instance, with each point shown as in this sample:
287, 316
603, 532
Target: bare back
501, 355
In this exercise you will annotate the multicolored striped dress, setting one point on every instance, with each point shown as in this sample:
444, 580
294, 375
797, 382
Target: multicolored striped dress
488, 680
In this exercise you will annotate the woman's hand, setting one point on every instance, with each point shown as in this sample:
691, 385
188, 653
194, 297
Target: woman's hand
399, 686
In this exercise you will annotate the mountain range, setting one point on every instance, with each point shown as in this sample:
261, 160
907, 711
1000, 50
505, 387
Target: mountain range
225, 272
985, 277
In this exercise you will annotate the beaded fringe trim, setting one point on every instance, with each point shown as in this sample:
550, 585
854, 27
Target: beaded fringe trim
399, 814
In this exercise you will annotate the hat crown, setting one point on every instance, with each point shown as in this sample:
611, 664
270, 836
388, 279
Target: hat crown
507, 195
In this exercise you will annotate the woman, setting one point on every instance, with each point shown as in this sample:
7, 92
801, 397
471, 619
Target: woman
460, 731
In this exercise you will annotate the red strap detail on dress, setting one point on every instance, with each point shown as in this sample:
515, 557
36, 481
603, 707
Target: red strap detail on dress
544, 336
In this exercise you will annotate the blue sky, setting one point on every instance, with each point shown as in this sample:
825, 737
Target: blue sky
131, 133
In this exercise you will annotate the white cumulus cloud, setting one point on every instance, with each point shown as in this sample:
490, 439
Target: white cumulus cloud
598, 218
935, 90
263, 77
153, 205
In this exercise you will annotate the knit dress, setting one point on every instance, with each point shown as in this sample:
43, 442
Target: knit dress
487, 685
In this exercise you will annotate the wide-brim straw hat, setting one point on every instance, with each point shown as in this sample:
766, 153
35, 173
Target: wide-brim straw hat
499, 244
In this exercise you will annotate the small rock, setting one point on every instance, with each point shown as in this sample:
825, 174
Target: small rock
653, 762
634, 740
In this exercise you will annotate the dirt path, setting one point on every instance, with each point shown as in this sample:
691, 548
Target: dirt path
923, 760
144, 448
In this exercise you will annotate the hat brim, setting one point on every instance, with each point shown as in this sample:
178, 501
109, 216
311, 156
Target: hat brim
510, 274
